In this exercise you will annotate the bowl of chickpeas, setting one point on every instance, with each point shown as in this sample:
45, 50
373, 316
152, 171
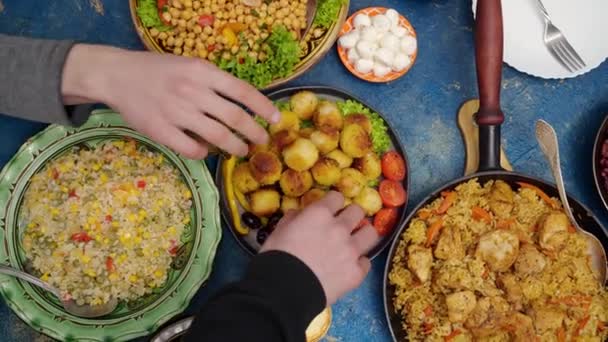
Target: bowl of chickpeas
265, 42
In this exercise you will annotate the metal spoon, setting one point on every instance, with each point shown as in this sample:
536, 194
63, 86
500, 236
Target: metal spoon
311, 11
86, 311
547, 139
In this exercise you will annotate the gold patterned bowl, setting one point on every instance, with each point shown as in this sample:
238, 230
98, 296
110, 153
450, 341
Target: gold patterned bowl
313, 47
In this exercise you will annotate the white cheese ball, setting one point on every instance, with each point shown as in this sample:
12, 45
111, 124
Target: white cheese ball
385, 56
366, 49
393, 16
349, 40
408, 45
390, 41
381, 23
362, 20
381, 70
364, 65
352, 55
400, 62
369, 34
399, 31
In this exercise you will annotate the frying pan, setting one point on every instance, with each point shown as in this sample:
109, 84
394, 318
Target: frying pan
488, 55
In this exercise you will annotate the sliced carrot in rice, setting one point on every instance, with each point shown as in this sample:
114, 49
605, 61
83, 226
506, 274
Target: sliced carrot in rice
480, 214
452, 335
428, 311
580, 326
505, 224
571, 229
433, 231
449, 197
539, 192
424, 214
561, 334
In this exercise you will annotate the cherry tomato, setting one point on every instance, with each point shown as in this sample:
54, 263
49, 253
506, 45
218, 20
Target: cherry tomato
206, 20
385, 220
393, 166
81, 237
162, 7
392, 193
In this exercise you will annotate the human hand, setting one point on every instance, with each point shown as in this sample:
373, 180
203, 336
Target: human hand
321, 237
179, 102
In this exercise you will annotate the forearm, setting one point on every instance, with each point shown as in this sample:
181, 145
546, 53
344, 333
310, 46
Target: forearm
276, 301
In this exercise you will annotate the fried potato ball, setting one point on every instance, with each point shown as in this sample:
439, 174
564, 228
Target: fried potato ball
359, 119
264, 202
265, 167
289, 203
253, 149
243, 179
328, 116
351, 182
342, 158
306, 132
326, 141
283, 139
311, 196
295, 183
369, 200
326, 171
289, 121
354, 141
301, 155
369, 165
304, 104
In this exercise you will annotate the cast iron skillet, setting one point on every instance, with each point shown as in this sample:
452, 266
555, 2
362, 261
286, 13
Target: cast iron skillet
488, 53
328, 92
597, 159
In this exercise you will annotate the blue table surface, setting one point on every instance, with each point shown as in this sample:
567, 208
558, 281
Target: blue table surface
421, 107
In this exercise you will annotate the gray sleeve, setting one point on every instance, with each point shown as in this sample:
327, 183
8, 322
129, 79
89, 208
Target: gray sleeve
30, 78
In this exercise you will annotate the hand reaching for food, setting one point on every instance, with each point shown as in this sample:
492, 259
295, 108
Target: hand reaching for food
321, 235
186, 104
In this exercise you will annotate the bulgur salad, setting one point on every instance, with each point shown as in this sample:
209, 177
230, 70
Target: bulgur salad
105, 222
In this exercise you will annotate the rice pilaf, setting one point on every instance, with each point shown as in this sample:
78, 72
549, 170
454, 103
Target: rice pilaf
105, 222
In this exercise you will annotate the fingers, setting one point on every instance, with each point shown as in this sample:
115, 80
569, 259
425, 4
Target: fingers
365, 239
333, 200
234, 117
287, 218
246, 94
365, 265
351, 216
175, 139
214, 133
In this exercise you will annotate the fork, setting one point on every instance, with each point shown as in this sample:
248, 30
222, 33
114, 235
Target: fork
558, 45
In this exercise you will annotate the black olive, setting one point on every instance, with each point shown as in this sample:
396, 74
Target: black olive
251, 221
262, 236
273, 220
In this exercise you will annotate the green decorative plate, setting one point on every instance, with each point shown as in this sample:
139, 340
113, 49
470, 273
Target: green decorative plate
190, 268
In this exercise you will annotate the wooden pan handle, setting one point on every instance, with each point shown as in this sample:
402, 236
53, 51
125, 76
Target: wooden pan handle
488, 54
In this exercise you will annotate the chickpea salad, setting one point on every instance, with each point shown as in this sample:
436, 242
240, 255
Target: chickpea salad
257, 41
319, 145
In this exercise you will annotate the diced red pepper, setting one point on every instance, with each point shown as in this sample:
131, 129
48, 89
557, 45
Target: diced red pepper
141, 184
211, 47
81, 237
206, 20
108, 218
174, 247
110, 264
241, 60
72, 193
55, 174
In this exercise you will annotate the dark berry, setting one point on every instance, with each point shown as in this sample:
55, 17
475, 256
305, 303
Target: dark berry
251, 221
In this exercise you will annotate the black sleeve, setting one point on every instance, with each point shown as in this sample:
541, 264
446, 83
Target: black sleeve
275, 301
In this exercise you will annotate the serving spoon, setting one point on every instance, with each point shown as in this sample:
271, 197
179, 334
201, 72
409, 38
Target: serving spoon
86, 311
547, 139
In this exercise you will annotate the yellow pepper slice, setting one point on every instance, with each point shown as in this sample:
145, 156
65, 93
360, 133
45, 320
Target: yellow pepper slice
227, 169
230, 36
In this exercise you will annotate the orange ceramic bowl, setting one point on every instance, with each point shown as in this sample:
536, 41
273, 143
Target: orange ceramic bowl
370, 77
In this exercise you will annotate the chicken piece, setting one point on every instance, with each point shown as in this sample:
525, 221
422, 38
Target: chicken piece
294, 183
306, 132
264, 202
520, 326
289, 122
513, 289
530, 261
265, 167
311, 196
419, 261
243, 179
499, 249
289, 203
301, 155
460, 305
359, 119
326, 172
328, 116
304, 104
553, 232
453, 275
369, 200
369, 165
326, 141
501, 199
548, 319
351, 182
449, 245
283, 139
487, 316
355, 141
253, 149
342, 158
479, 314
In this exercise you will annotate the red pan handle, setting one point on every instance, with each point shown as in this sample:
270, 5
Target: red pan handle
488, 54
